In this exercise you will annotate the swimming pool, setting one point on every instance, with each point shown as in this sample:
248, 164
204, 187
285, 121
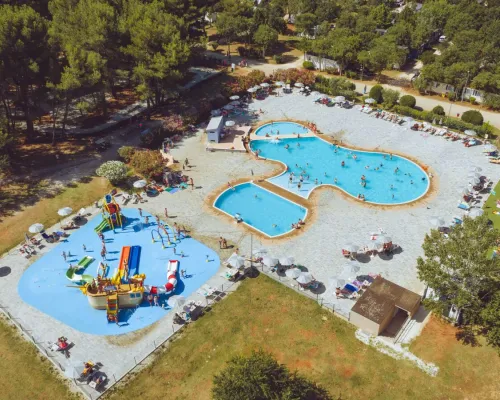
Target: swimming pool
267, 212
45, 287
281, 128
388, 180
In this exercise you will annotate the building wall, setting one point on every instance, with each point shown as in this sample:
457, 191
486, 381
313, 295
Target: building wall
387, 320
321, 63
365, 324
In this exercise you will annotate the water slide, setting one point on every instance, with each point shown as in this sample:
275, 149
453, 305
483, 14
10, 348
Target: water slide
85, 262
77, 278
123, 266
133, 265
102, 226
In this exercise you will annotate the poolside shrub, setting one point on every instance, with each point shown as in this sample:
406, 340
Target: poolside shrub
408, 101
148, 163
335, 86
126, 152
293, 75
113, 171
308, 65
241, 84
260, 376
390, 97
438, 110
376, 93
473, 117
278, 58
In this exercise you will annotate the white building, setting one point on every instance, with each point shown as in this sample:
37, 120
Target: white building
214, 129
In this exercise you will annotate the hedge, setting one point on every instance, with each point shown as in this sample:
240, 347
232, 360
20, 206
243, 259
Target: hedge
407, 101
308, 65
376, 93
335, 87
451, 123
438, 110
473, 117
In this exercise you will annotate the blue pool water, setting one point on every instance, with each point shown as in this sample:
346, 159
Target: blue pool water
317, 159
261, 209
281, 128
44, 284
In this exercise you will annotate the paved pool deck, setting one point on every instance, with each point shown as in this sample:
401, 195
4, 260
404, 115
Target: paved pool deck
338, 220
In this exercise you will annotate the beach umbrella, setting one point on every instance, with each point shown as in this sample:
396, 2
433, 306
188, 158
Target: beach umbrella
293, 273
176, 301
269, 261
351, 268
441, 121
228, 107
304, 278
464, 191
350, 247
473, 175
470, 132
65, 211
236, 261
475, 169
74, 370
384, 239
299, 84
437, 221
215, 113
474, 181
286, 261
235, 103
235, 97
256, 87
82, 211
264, 85
251, 90
476, 212
335, 282
260, 252
279, 83
36, 228
140, 184
315, 93
230, 123
370, 101
339, 99
375, 246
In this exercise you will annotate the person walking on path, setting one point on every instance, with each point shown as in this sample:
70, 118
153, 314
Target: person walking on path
186, 162
191, 183
166, 212
221, 240
140, 211
64, 255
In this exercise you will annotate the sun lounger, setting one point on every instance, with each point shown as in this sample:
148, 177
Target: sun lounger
463, 206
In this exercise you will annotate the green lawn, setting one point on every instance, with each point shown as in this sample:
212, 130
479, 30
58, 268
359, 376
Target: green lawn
25, 374
265, 314
14, 225
491, 205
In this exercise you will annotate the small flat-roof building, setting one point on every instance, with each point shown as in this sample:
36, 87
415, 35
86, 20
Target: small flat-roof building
214, 129
384, 305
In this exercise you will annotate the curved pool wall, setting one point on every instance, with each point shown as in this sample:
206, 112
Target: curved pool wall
388, 181
265, 211
44, 285
281, 128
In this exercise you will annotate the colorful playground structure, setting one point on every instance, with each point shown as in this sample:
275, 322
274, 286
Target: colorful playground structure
111, 215
72, 274
172, 270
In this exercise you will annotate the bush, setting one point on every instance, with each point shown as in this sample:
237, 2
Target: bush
259, 377
148, 163
113, 171
473, 117
407, 101
376, 93
351, 74
292, 75
278, 59
335, 87
332, 71
438, 110
472, 100
308, 65
126, 152
390, 97
421, 84
452, 96
492, 101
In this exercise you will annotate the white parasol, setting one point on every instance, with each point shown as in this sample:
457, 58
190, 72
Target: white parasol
176, 301
293, 273
236, 261
304, 278
65, 211
36, 228
286, 261
230, 123
269, 261
350, 247
476, 212
370, 101
235, 97
140, 184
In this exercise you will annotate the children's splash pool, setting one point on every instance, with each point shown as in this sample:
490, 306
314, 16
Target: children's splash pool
281, 128
266, 212
380, 177
44, 284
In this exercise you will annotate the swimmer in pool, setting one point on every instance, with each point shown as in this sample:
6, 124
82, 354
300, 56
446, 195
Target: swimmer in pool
316, 181
335, 180
396, 170
298, 144
342, 163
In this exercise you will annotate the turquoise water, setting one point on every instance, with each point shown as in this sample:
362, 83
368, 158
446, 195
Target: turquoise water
388, 181
45, 287
281, 128
261, 209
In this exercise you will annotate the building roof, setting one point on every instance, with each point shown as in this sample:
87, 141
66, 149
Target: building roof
214, 123
380, 298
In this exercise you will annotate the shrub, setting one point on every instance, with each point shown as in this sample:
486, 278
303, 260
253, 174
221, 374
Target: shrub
473, 117
242, 51
260, 376
113, 171
292, 75
438, 110
452, 96
214, 45
126, 152
421, 84
376, 93
472, 100
390, 97
335, 87
308, 65
148, 163
407, 101
492, 101
173, 124
278, 59
351, 74
332, 71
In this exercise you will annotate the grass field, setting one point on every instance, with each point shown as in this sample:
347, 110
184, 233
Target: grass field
490, 205
265, 314
13, 227
25, 375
